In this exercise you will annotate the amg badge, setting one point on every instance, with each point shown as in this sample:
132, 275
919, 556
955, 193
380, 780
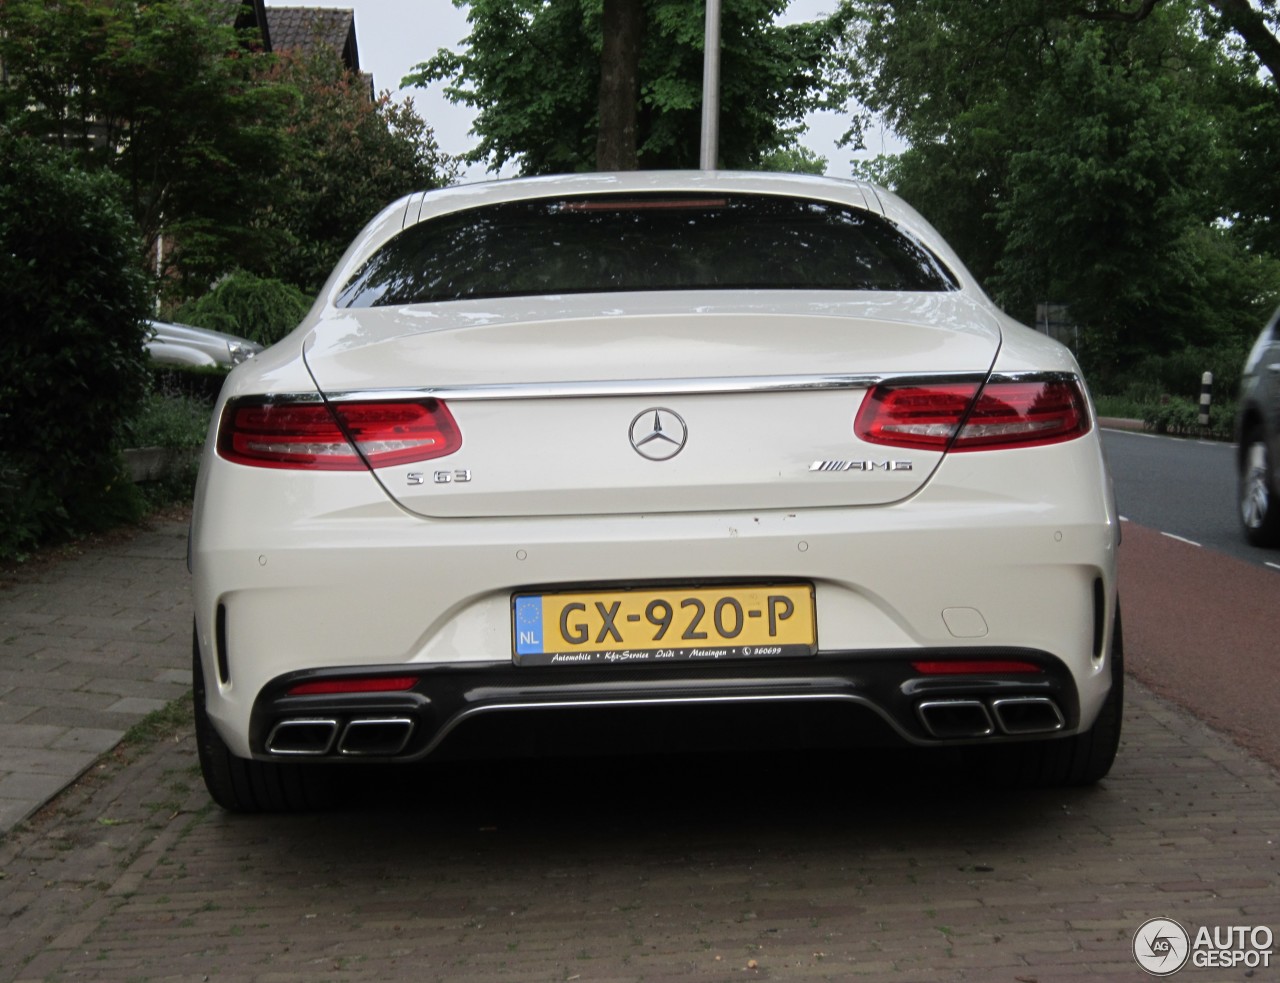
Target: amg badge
860, 466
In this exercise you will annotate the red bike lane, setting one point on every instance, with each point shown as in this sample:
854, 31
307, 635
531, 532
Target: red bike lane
1203, 629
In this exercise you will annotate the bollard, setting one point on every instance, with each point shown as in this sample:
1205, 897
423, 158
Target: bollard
1206, 397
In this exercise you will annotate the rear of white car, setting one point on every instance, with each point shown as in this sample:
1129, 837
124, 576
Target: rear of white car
624, 457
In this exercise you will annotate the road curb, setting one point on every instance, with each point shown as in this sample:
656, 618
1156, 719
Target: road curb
1121, 423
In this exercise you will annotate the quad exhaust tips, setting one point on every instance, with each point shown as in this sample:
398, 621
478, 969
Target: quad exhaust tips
360, 737
946, 719
966, 718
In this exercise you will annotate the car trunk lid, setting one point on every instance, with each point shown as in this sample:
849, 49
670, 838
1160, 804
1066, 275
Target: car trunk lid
573, 407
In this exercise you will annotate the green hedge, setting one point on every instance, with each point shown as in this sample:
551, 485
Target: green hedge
199, 382
1181, 417
74, 297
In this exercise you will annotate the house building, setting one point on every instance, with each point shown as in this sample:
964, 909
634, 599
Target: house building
306, 30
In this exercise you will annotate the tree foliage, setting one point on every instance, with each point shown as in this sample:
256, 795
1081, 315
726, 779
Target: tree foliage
1080, 160
165, 96
531, 70
74, 301
349, 156
230, 157
794, 160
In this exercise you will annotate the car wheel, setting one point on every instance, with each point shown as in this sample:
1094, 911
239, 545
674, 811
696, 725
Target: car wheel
241, 785
1258, 517
1082, 759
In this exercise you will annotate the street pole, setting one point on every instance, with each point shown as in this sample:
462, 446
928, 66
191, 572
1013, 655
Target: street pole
711, 88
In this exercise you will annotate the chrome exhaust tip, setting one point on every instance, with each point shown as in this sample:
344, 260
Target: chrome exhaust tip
380, 736
1028, 715
951, 719
303, 735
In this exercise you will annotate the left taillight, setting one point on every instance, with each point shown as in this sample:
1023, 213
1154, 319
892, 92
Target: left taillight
1019, 413
325, 437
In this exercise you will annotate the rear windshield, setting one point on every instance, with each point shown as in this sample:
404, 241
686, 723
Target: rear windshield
593, 244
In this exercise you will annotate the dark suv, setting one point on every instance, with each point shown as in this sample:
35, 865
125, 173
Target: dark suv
1258, 437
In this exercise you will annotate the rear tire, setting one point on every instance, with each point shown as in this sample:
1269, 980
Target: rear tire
1082, 759
241, 785
1259, 515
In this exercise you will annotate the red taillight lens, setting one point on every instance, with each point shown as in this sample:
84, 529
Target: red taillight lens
1007, 414
913, 416
308, 435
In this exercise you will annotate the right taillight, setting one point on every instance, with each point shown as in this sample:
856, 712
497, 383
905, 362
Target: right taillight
1017, 413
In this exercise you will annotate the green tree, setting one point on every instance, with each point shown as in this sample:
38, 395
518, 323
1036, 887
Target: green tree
1256, 25
1248, 121
1074, 160
532, 70
74, 301
348, 157
164, 95
794, 160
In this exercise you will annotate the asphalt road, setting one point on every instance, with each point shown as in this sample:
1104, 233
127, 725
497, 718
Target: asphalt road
1183, 488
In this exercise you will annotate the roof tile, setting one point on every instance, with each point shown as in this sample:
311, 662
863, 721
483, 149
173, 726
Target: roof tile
307, 28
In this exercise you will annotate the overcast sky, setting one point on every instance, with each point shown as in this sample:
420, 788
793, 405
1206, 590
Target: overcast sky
395, 35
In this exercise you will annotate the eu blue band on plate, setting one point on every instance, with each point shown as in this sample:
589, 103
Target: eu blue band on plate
528, 625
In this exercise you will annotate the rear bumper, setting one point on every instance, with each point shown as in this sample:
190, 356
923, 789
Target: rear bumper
324, 578
862, 698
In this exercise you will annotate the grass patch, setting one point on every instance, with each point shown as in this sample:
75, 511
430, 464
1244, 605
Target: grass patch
168, 721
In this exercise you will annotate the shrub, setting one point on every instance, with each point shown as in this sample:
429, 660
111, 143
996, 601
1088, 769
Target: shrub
1181, 417
254, 307
200, 382
177, 422
168, 419
1178, 373
74, 298
1181, 373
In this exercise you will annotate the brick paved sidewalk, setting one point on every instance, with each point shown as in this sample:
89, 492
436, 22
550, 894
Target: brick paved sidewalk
88, 647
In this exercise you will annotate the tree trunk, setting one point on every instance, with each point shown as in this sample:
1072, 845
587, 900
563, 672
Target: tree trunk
1253, 30
623, 24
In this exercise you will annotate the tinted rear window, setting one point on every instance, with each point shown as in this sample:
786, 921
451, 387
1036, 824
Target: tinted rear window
644, 242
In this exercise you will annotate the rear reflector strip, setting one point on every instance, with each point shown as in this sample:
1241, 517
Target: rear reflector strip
974, 667
364, 684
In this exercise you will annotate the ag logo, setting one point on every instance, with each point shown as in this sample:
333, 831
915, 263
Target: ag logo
1161, 946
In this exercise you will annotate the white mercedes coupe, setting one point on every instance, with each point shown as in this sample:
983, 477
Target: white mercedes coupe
652, 461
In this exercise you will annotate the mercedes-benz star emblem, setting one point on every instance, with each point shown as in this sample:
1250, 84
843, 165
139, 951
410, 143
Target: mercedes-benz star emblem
658, 433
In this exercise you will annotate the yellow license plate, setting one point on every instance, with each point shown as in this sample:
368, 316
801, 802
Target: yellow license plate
664, 624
